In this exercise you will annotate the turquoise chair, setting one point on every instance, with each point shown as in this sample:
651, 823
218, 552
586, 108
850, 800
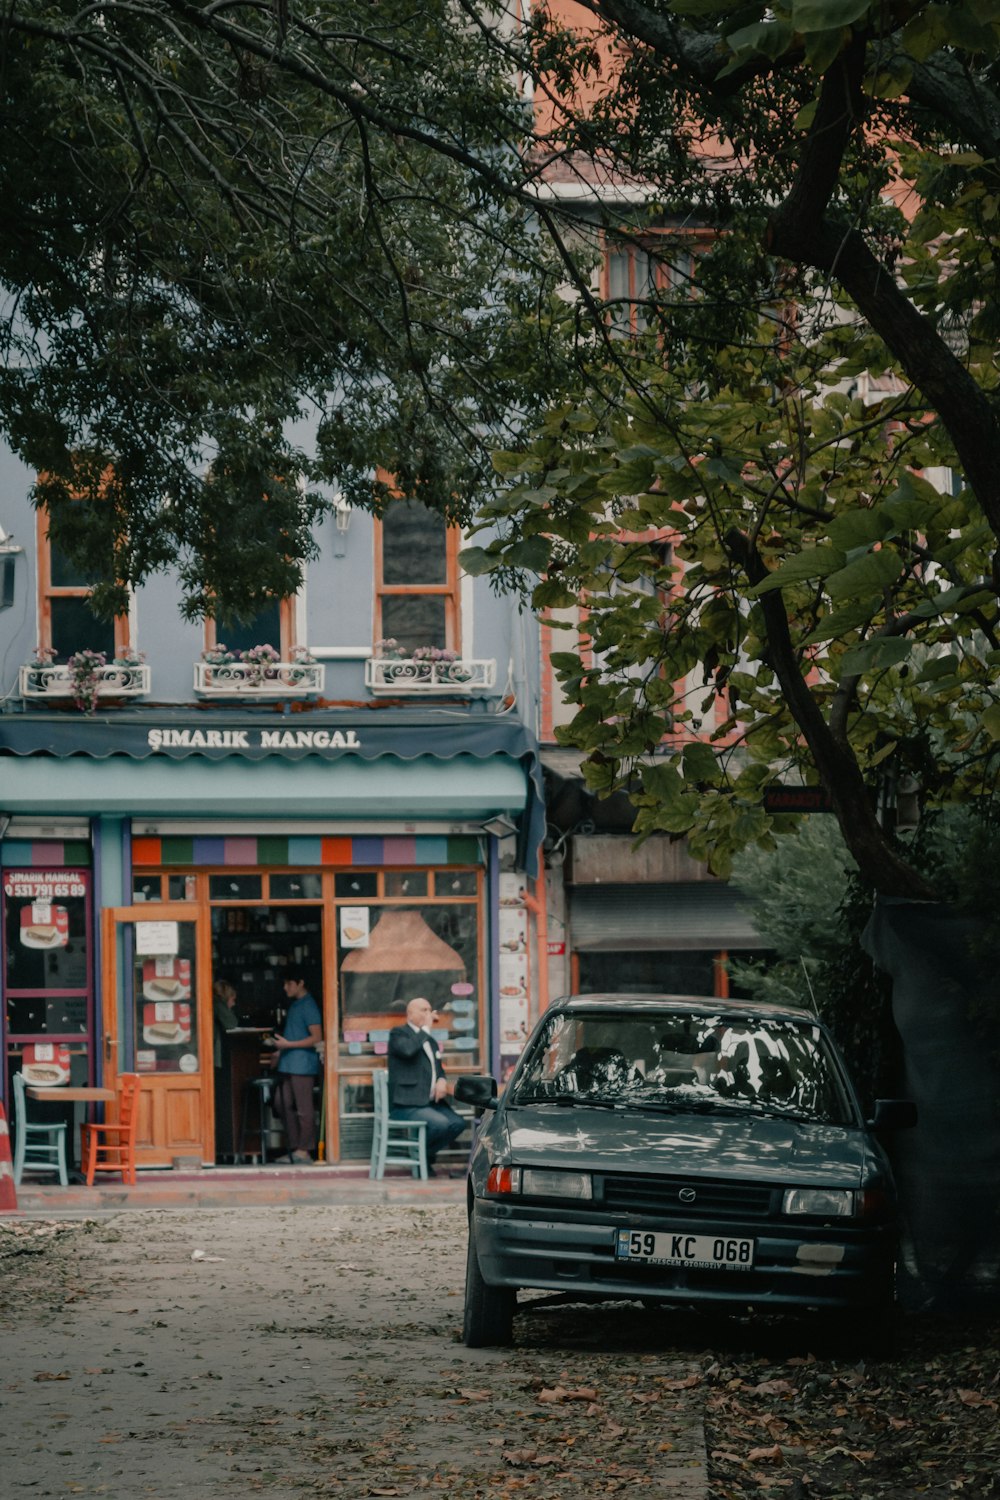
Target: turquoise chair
395, 1143
40, 1148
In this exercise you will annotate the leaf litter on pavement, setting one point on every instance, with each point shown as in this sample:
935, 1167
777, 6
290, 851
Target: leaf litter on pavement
590, 1401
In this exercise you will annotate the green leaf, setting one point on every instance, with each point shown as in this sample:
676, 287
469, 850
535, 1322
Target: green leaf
477, 561
841, 622
508, 463
874, 656
991, 721
822, 47
859, 528
531, 554
866, 575
765, 38
700, 763
816, 562
822, 15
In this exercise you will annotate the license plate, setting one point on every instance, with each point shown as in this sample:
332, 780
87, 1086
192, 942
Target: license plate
715, 1252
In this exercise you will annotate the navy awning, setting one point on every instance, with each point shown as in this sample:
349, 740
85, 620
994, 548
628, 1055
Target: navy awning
317, 735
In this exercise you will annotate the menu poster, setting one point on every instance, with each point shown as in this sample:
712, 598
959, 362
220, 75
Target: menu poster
513, 930
355, 927
512, 889
45, 1063
513, 974
44, 925
513, 1020
166, 978
508, 1062
165, 1024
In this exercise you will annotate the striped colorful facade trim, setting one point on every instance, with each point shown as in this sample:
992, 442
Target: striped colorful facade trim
297, 852
47, 855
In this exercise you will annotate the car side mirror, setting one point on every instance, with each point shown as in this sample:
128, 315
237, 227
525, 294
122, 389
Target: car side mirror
480, 1092
893, 1114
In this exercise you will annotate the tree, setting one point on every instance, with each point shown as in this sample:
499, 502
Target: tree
230, 291
778, 418
836, 161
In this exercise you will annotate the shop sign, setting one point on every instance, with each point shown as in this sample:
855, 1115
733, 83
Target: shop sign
43, 885
253, 739
556, 949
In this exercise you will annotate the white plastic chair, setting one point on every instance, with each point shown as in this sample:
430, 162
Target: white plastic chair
40, 1148
395, 1143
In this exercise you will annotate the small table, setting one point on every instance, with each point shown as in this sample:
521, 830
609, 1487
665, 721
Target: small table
69, 1093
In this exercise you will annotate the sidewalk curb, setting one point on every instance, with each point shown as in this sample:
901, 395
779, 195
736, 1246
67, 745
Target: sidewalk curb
234, 1187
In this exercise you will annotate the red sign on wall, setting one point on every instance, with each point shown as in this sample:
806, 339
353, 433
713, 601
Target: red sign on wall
556, 948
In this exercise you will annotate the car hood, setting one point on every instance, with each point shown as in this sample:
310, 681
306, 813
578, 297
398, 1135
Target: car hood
759, 1147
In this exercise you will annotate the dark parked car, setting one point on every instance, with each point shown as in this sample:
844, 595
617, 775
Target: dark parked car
687, 1151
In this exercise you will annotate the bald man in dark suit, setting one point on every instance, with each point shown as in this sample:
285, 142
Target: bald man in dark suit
418, 1088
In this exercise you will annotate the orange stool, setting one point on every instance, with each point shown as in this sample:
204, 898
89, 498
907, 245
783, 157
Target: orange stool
111, 1148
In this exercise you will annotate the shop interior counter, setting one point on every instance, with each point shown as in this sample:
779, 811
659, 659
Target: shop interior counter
242, 1053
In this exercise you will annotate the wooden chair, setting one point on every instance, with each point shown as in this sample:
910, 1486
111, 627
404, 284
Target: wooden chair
40, 1148
395, 1143
111, 1147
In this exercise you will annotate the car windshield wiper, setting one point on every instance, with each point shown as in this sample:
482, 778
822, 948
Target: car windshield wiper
698, 1104
592, 1099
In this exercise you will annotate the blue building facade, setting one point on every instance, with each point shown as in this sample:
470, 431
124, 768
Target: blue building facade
346, 788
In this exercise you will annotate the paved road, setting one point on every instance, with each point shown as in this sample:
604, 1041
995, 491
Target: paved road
316, 1350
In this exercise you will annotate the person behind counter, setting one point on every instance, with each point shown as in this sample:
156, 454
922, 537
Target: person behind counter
224, 1013
298, 1065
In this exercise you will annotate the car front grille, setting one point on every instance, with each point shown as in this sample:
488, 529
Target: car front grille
662, 1196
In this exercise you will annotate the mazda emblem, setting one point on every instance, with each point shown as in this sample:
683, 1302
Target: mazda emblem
687, 1195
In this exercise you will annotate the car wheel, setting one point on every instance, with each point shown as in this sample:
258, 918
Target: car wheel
489, 1310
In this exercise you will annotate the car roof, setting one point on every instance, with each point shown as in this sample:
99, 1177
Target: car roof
682, 1004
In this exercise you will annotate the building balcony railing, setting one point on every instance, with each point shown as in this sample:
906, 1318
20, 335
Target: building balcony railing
112, 681
403, 676
277, 679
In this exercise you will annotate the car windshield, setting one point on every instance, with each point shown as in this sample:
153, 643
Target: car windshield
697, 1060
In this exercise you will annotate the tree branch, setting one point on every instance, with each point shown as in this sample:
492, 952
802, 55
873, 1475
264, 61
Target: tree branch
834, 760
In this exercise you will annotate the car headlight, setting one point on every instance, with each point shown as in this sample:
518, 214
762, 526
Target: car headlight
556, 1184
535, 1182
822, 1203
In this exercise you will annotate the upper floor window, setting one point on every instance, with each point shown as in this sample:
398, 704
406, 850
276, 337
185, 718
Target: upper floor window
635, 274
66, 622
416, 578
272, 626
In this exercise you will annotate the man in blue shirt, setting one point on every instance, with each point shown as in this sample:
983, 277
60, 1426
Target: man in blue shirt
298, 1066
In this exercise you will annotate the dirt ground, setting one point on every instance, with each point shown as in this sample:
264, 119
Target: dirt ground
316, 1351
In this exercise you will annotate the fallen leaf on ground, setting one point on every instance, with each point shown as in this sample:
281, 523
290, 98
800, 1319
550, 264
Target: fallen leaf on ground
770, 1455
529, 1456
973, 1398
52, 1375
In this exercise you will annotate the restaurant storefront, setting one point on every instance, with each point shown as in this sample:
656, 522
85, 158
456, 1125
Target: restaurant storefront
150, 857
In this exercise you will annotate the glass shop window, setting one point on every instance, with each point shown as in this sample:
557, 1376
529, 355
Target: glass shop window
46, 955
389, 955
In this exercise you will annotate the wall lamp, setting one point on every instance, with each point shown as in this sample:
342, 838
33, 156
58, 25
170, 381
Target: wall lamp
342, 511
501, 827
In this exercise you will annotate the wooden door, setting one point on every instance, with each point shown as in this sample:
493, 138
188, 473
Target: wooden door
157, 1012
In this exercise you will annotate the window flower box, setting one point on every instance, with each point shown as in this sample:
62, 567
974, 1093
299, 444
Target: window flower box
257, 673
445, 675
45, 681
